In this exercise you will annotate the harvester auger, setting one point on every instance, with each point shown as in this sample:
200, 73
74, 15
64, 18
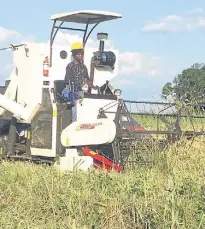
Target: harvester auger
36, 120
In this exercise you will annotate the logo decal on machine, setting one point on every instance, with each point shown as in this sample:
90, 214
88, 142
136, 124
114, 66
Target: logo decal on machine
88, 126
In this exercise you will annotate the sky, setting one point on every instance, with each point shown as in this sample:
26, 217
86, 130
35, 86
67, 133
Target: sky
156, 39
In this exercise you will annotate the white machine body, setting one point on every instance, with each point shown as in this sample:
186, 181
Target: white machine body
96, 132
88, 109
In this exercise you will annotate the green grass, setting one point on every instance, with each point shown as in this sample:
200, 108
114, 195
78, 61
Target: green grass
170, 193
186, 124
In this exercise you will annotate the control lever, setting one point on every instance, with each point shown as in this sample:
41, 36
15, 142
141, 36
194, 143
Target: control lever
105, 90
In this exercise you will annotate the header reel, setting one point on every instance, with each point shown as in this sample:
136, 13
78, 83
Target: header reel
145, 128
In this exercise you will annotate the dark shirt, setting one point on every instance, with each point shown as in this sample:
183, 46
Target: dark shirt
76, 74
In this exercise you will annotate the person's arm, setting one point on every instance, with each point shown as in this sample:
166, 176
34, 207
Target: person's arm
69, 74
85, 73
86, 76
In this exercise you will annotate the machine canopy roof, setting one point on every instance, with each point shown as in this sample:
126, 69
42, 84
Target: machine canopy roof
86, 16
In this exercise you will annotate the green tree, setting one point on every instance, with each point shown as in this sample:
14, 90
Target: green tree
188, 85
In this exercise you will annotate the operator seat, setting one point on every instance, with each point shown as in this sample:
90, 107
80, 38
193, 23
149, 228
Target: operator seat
59, 85
64, 107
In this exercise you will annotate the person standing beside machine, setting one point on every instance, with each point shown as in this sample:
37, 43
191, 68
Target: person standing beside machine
76, 77
76, 71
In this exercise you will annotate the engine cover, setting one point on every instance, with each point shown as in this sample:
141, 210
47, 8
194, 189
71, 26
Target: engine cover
96, 132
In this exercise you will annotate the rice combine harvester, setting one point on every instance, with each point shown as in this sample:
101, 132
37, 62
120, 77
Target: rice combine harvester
36, 120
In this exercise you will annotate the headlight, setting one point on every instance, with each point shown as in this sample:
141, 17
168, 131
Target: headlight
85, 87
117, 92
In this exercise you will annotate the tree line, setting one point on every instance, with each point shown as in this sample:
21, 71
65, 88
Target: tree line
187, 86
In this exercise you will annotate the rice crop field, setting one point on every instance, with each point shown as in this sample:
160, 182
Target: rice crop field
169, 193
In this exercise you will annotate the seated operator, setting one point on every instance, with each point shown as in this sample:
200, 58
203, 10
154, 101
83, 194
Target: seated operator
76, 76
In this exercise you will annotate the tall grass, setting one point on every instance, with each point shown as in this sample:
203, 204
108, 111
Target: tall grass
170, 193
186, 124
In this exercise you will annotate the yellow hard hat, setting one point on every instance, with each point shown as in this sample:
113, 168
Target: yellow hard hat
76, 45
